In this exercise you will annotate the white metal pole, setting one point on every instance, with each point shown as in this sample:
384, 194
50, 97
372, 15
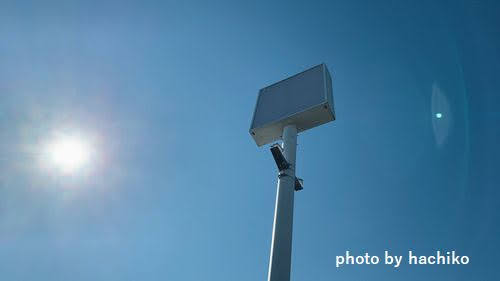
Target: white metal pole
281, 245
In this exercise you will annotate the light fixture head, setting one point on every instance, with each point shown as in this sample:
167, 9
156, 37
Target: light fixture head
304, 100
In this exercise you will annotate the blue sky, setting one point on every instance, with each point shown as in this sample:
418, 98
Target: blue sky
178, 190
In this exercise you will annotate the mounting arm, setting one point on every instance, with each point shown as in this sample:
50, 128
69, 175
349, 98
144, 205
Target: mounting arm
282, 165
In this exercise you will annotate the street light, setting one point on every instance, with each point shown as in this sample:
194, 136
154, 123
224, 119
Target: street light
296, 104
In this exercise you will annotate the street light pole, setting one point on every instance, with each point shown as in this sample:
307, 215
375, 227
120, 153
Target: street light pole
283, 109
281, 245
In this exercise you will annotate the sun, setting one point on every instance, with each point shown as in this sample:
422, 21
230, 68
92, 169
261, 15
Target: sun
69, 153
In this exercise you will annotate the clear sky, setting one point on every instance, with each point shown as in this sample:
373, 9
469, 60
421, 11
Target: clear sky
175, 188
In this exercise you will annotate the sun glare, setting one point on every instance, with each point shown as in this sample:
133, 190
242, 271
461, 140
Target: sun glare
69, 153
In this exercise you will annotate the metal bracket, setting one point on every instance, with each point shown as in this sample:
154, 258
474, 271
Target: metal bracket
282, 164
279, 158
299, 184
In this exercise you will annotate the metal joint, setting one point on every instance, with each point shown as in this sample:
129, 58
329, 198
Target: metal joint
282, 174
